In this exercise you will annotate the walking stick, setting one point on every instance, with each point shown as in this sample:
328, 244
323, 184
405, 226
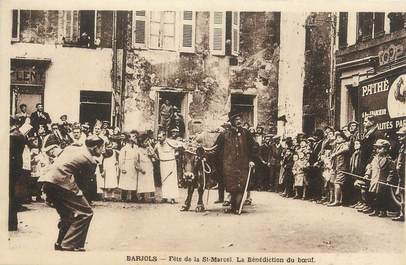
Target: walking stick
245, 190
383, 183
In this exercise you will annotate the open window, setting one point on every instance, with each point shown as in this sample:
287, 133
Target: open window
370, 25
95, 105
15, 31
225, 33
244, 104
79, 28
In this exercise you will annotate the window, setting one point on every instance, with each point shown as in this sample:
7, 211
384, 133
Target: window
79, 28
95, 105
365, 25
379, 21
235, 33
370, 25
343, 30
139, 36
15, 31
396, 21
217, 33
187, 37
163, 30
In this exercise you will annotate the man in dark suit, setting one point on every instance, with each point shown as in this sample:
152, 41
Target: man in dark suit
40, 117
235, 152
65, 185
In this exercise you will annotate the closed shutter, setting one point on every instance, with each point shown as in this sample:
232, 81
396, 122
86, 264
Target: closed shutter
217, 33
187, 37
15, 33
140, 29
235, 34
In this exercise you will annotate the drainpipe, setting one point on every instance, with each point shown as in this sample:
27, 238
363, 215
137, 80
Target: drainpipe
114, 70
333, 32
124, 25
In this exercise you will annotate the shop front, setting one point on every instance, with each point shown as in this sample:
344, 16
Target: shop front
384, 96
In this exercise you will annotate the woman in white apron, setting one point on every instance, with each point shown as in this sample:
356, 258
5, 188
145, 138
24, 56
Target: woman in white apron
128, 163
110, 164
165, 151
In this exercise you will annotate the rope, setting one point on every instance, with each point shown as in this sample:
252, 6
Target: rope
380, 182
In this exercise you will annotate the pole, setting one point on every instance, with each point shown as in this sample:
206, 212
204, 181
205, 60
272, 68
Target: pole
383, 183
245, 190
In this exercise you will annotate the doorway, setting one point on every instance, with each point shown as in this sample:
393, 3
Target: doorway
167, 101
95, 105
244, 104
28, 95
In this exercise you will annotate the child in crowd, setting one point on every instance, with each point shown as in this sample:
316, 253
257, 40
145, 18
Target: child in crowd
298, 173
328, 176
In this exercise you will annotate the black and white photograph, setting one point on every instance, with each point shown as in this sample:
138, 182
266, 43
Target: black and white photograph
207, 134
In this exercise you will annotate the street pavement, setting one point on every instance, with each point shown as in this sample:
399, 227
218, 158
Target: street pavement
271, 224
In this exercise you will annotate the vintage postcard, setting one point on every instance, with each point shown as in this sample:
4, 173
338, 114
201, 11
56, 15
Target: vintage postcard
211, 132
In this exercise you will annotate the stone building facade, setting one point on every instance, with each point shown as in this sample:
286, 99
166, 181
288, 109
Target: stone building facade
121, 65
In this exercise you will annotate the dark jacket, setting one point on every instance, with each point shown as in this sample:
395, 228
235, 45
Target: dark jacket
368, 139
234, 152
275, 155
38, 119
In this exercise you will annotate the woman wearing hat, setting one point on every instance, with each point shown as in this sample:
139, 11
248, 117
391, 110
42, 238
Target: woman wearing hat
340, 158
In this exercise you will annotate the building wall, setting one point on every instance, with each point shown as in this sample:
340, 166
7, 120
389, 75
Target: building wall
291, 72
71, 70
207, 78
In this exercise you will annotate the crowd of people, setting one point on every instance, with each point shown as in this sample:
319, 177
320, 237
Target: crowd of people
334, 168
345, 167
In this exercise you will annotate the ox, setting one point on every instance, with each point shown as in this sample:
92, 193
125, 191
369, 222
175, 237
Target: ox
199, 172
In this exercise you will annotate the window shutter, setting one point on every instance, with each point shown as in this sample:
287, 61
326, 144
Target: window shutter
139, 35
15, 33
168, 30
155, 30
235, 34
187, 37
217, 33
71, 25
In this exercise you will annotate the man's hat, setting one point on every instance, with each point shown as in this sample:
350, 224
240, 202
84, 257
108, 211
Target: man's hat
63, 116
50, 143
106, 122
382, 142
341, 134
93, 140
268, 135
175, 130
311, 139
85, 126
353, 122
233, 114
402, 130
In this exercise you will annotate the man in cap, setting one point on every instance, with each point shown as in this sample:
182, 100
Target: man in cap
380, 170
400, 168
65, 182
236, 151
274, 160
354, 132
262, 168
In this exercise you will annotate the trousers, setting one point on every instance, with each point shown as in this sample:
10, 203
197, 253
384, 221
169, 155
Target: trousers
75, 215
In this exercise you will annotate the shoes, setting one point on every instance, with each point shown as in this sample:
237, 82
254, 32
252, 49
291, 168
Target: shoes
231, 210
296, 197
219, 201
185, 208
58, 247
362, 209
334, 204
247, 202
399, 219
172, 201
368, 210
226, 203
374, 213
360, 206
382, 214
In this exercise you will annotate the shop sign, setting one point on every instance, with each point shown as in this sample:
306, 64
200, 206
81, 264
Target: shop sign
385, 98
27, 76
